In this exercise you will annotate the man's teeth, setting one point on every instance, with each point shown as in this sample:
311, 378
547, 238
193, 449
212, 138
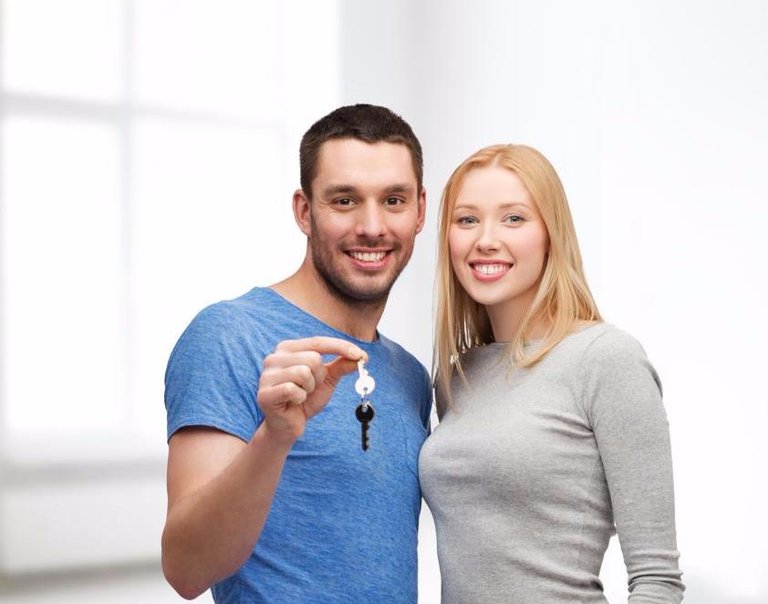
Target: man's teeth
490, 269
368, 256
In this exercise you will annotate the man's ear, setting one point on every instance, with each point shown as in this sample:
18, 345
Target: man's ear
302, 211
422, 209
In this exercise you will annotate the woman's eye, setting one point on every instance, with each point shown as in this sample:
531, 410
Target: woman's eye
513, 218
466, 220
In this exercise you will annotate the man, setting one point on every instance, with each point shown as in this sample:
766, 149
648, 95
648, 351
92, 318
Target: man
271, 497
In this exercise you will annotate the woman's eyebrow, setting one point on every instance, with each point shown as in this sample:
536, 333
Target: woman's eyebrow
505, 206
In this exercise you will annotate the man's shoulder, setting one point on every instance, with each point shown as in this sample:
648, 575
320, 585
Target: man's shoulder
402, 357
258, 303
235, 322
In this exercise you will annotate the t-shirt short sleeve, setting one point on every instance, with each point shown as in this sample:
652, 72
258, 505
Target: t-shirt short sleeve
213, 374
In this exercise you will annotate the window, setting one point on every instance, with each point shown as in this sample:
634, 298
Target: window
148, 153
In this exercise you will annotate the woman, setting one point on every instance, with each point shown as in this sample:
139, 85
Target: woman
552, 431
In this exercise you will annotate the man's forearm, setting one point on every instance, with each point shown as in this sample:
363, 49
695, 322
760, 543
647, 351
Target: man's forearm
210, 532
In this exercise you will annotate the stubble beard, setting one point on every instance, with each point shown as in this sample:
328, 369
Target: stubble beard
343, 288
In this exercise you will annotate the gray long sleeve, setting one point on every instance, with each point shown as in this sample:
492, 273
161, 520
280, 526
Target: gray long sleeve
530, 472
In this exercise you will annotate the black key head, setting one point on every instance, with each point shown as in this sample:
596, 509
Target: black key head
364, 413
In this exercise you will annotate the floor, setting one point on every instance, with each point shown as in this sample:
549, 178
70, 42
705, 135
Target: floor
132, 586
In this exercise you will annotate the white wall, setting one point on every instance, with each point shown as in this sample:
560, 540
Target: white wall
654, 115
143, 154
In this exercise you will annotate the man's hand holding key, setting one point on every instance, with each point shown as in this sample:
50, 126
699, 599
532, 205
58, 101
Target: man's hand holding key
296, 384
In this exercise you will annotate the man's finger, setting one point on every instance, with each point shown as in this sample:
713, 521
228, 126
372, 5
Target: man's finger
337, 368
324, 345
301, 375
285, 392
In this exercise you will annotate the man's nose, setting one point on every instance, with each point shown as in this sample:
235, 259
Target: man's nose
371, 220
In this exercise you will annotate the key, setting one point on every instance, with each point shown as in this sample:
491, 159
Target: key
365, 383
364, 414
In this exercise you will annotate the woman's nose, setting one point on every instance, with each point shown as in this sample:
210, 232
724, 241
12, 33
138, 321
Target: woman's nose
488, 240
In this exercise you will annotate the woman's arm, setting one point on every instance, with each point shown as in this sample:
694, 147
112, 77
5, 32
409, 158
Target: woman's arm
623, 400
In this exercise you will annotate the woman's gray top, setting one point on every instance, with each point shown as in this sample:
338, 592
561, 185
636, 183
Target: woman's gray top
530, 470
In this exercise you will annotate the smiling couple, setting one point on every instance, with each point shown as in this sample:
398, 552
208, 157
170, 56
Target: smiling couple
552, 432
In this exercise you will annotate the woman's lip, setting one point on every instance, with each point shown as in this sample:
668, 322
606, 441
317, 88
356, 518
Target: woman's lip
501, 270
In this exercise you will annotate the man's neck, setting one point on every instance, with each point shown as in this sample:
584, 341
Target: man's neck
307, 290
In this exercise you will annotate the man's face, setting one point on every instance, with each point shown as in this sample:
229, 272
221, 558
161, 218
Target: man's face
364, 215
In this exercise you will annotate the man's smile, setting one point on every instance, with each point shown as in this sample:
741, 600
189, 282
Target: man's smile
369, 259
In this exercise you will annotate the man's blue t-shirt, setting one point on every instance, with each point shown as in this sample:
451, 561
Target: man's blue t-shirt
343, 523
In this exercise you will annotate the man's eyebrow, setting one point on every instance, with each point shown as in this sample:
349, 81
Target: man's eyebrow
332, 190
338, 189
400, 188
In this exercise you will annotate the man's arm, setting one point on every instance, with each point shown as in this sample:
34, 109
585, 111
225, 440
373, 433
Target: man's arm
219, 493
220, 488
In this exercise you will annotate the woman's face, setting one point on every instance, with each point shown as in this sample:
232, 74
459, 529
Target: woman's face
498, 242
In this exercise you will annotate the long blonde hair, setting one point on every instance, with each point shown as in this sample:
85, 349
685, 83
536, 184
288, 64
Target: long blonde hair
563, 299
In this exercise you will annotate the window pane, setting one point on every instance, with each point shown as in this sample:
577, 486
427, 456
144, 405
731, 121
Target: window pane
70, 48
62, 319
209, 222
207, 56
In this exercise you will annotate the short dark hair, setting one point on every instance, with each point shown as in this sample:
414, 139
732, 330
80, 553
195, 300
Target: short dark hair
369, 123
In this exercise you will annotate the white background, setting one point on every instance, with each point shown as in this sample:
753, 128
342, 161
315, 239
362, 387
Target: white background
653, 113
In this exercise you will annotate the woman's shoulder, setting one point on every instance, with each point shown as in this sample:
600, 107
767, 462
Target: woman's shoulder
608, 353
605, 340
597, 347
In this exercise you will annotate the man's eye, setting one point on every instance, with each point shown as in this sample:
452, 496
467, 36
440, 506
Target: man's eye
344, 201
394, 201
